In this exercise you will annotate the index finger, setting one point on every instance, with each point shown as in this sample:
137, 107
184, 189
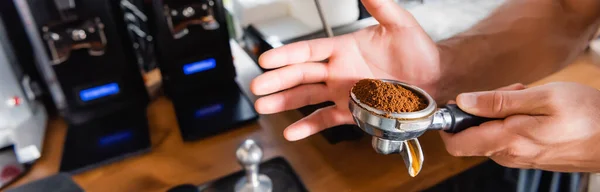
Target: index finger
299, 52
389, 13
512, 87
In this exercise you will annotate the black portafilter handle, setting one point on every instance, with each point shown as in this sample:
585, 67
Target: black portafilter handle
462, 120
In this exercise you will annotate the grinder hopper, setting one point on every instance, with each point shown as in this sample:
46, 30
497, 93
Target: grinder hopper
398, 132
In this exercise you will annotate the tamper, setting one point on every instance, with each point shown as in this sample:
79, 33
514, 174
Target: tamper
398, 132
249, 155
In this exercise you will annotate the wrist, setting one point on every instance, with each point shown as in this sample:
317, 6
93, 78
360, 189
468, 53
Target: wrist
464, 59
444, 88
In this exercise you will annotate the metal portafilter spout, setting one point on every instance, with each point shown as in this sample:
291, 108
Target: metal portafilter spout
398, 132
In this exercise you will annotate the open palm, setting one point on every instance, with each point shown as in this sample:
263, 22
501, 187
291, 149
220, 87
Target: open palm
397, 48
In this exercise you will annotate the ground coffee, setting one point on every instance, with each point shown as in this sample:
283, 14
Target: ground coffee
388, 96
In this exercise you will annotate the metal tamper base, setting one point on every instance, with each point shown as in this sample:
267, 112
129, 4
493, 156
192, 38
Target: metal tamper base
396, 132
249, 155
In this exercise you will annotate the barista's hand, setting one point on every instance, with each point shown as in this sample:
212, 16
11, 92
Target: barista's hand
398, 49
553, 127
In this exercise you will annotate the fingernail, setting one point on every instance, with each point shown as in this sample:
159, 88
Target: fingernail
255, 87
520, 85
260, 88
468, 100
260, 106
295, 133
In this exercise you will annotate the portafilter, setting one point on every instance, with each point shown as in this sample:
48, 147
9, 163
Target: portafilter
398, 132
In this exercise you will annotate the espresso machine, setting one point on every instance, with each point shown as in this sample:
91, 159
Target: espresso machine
22, 115
87, 57
194, 56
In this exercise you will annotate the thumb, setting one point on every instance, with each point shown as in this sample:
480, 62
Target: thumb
387, 12
512, 87
502, 103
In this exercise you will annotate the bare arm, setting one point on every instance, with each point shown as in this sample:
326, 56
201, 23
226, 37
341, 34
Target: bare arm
522, 41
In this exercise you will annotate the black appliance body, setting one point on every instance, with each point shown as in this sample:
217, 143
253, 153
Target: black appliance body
83, 51
88, 52
195, 59
192, 44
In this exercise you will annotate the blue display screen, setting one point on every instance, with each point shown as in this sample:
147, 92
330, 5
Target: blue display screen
115, 138
199, 66
99, 92
207, 111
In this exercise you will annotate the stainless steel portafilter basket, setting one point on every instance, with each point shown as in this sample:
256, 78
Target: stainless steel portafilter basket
398, 132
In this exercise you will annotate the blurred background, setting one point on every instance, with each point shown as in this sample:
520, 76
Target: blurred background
153, 95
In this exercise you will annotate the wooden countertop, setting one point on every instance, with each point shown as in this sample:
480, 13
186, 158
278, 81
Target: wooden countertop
347, 166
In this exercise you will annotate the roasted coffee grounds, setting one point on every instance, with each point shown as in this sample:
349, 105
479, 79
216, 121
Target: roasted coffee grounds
388, 97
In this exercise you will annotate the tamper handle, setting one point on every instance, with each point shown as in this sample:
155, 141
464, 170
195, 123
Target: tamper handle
462, 120
249, 155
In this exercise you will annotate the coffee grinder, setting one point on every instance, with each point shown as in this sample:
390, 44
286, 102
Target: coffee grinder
84, 54
196, 63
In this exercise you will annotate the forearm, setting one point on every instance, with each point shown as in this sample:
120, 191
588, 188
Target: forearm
522, 41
